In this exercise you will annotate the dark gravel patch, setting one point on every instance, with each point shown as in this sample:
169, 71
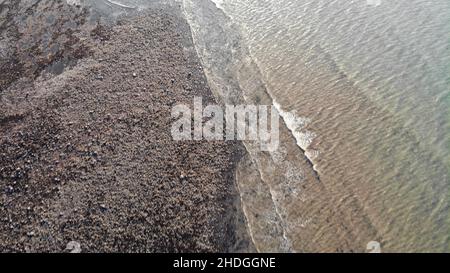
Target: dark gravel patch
87, 155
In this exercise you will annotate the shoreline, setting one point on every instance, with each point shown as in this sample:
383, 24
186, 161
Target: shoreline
100, 168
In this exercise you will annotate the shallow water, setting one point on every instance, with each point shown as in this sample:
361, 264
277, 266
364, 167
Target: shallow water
364, 90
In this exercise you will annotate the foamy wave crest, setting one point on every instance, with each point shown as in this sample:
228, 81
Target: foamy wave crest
297, 125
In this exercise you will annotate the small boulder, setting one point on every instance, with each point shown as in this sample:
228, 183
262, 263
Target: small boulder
73, 247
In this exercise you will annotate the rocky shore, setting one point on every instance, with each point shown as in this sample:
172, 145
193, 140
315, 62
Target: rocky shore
87, 160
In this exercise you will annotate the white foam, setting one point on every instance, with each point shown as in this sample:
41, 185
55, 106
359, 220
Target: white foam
297, 127
294, 177
219, 3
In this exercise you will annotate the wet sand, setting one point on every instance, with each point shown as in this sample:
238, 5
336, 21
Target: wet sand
86, 153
